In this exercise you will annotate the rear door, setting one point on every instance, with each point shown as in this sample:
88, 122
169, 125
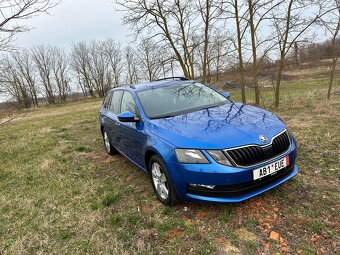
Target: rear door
112, 122
105, 110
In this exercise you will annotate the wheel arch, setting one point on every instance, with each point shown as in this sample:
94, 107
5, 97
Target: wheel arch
148, 154
150, 151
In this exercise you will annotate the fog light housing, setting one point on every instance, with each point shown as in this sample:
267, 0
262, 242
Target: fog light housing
202, 186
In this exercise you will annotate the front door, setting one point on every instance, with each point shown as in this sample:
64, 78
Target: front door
132, 137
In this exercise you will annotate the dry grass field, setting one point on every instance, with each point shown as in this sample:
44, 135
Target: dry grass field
60, 193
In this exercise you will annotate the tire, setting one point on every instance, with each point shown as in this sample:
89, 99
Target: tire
161, 182
107, 144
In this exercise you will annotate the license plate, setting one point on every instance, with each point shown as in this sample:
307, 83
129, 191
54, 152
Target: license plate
270, 169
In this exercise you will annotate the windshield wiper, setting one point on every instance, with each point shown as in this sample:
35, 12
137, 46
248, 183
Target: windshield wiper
162, 117
211, 106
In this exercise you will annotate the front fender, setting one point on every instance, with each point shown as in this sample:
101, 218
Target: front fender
162, 148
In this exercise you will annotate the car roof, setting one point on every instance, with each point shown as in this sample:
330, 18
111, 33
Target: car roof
150, 85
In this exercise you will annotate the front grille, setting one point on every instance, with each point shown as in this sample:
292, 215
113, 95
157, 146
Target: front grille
252, 155
236, 190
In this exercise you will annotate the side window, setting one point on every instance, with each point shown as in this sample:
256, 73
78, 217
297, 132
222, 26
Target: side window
128, 103
115, 102
107, 101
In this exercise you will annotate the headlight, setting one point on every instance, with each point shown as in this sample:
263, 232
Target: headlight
190, 156
219, 157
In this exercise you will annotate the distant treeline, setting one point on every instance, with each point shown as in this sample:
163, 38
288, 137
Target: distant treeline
48, 74
90, 67
200, 39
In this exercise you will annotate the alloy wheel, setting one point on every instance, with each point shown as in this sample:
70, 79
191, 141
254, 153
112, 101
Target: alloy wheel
107, 142
159, 180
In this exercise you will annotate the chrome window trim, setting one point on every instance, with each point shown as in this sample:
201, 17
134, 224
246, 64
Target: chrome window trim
251, 145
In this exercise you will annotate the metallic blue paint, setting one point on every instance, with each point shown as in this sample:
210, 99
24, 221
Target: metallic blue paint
226, 94
230, 125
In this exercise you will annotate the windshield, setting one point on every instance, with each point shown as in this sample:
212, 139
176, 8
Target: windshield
169, 101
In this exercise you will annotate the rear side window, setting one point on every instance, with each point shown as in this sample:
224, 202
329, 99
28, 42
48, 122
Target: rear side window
128, 103
107, 101
115, 101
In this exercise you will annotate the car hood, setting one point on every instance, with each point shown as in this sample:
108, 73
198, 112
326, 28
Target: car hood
226, 126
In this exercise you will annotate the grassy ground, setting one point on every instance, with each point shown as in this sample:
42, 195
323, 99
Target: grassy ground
60, 193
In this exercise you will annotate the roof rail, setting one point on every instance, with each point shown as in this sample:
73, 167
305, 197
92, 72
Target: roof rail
121, 85
173, 78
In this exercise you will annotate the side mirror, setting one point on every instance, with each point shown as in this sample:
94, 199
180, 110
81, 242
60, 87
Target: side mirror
226, 94
127, 117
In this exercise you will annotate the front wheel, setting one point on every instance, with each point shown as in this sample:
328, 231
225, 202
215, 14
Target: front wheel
161, 182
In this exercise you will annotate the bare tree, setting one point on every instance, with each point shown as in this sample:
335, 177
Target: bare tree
217, 55
60, 71
13, 83
152, 59
332, 24
23, 61
258, 12
254, 51
220, 48
80, 64
171, 21
210, 11
132, 75
12, 11
205, 10
184, 17
43, 58
291, 26
99, 68
240, 32
114, 55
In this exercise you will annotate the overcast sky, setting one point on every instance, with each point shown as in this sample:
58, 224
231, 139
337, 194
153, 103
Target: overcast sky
72, 21
75, 20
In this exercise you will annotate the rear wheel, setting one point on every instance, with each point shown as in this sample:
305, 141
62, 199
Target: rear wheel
109, 148
161, 182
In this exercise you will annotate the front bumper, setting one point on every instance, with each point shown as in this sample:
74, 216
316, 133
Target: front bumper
231, 184
242, 195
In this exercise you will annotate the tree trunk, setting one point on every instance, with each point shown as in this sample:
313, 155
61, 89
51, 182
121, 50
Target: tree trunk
168, 36
253, 44
334, 59
240, 57
331, 77
279, 78
206, 40
283, 52
296, 54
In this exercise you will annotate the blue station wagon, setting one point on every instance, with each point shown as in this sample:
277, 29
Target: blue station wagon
196, 143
